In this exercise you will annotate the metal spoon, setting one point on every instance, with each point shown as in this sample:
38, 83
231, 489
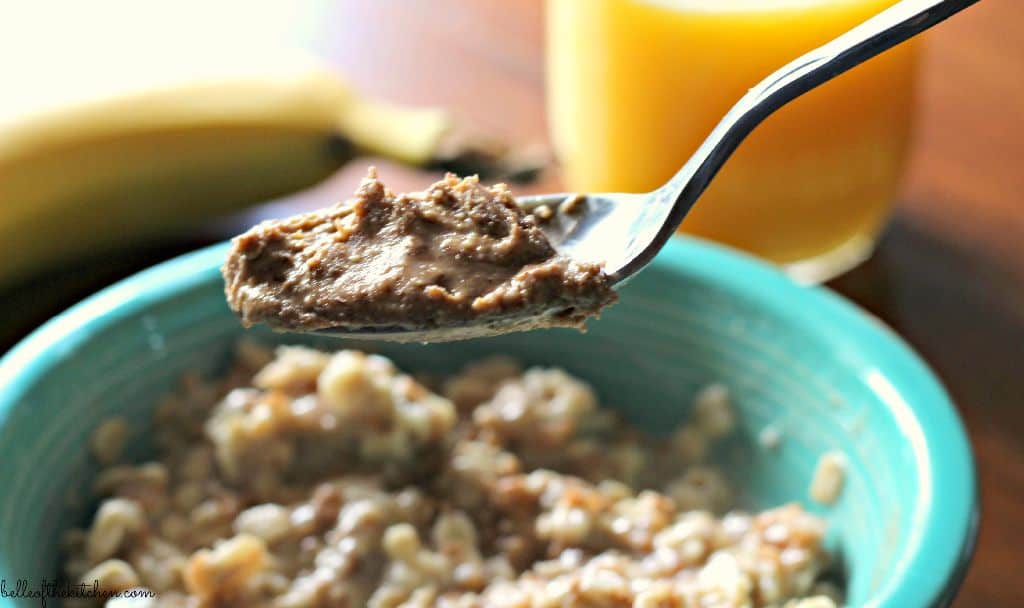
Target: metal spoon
625, 231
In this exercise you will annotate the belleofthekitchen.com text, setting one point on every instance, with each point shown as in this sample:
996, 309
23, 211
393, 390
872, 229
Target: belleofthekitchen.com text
48, 592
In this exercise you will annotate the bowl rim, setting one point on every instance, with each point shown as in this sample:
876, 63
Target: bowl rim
938, 552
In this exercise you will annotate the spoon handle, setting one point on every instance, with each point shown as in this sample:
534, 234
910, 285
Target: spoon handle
886, 29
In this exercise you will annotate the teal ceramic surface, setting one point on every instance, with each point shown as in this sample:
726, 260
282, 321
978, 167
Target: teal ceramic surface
826, 375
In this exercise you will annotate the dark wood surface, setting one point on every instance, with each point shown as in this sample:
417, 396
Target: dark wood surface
948, 275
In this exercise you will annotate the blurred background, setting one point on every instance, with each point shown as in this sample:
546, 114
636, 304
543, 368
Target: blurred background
131, 132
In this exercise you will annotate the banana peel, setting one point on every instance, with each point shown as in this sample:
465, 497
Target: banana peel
119, 164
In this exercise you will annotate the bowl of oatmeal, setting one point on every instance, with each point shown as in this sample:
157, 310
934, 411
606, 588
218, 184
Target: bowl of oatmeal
721, 437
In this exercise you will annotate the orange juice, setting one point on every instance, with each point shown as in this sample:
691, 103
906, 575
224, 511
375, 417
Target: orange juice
634, 86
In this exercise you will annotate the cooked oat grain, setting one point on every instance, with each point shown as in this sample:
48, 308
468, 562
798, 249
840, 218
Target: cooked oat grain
829, 477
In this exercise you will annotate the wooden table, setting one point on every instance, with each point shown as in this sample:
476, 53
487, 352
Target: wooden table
949, 274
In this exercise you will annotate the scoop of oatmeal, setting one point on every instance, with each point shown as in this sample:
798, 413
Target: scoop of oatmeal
456, 255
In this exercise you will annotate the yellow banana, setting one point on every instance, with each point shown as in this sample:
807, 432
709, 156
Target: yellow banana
104, 161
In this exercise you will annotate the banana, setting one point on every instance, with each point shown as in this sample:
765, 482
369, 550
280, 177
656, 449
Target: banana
101, 158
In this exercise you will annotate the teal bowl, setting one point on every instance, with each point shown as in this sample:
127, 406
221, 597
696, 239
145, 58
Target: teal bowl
825, 374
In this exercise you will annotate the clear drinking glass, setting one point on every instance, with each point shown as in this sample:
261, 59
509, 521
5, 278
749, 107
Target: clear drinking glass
634, 86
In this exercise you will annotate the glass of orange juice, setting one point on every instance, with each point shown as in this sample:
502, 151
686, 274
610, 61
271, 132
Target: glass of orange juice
634, 87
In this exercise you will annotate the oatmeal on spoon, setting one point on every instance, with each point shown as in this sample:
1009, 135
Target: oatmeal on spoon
458, 260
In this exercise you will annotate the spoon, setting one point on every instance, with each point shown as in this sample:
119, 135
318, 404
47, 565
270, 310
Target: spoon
625, 231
